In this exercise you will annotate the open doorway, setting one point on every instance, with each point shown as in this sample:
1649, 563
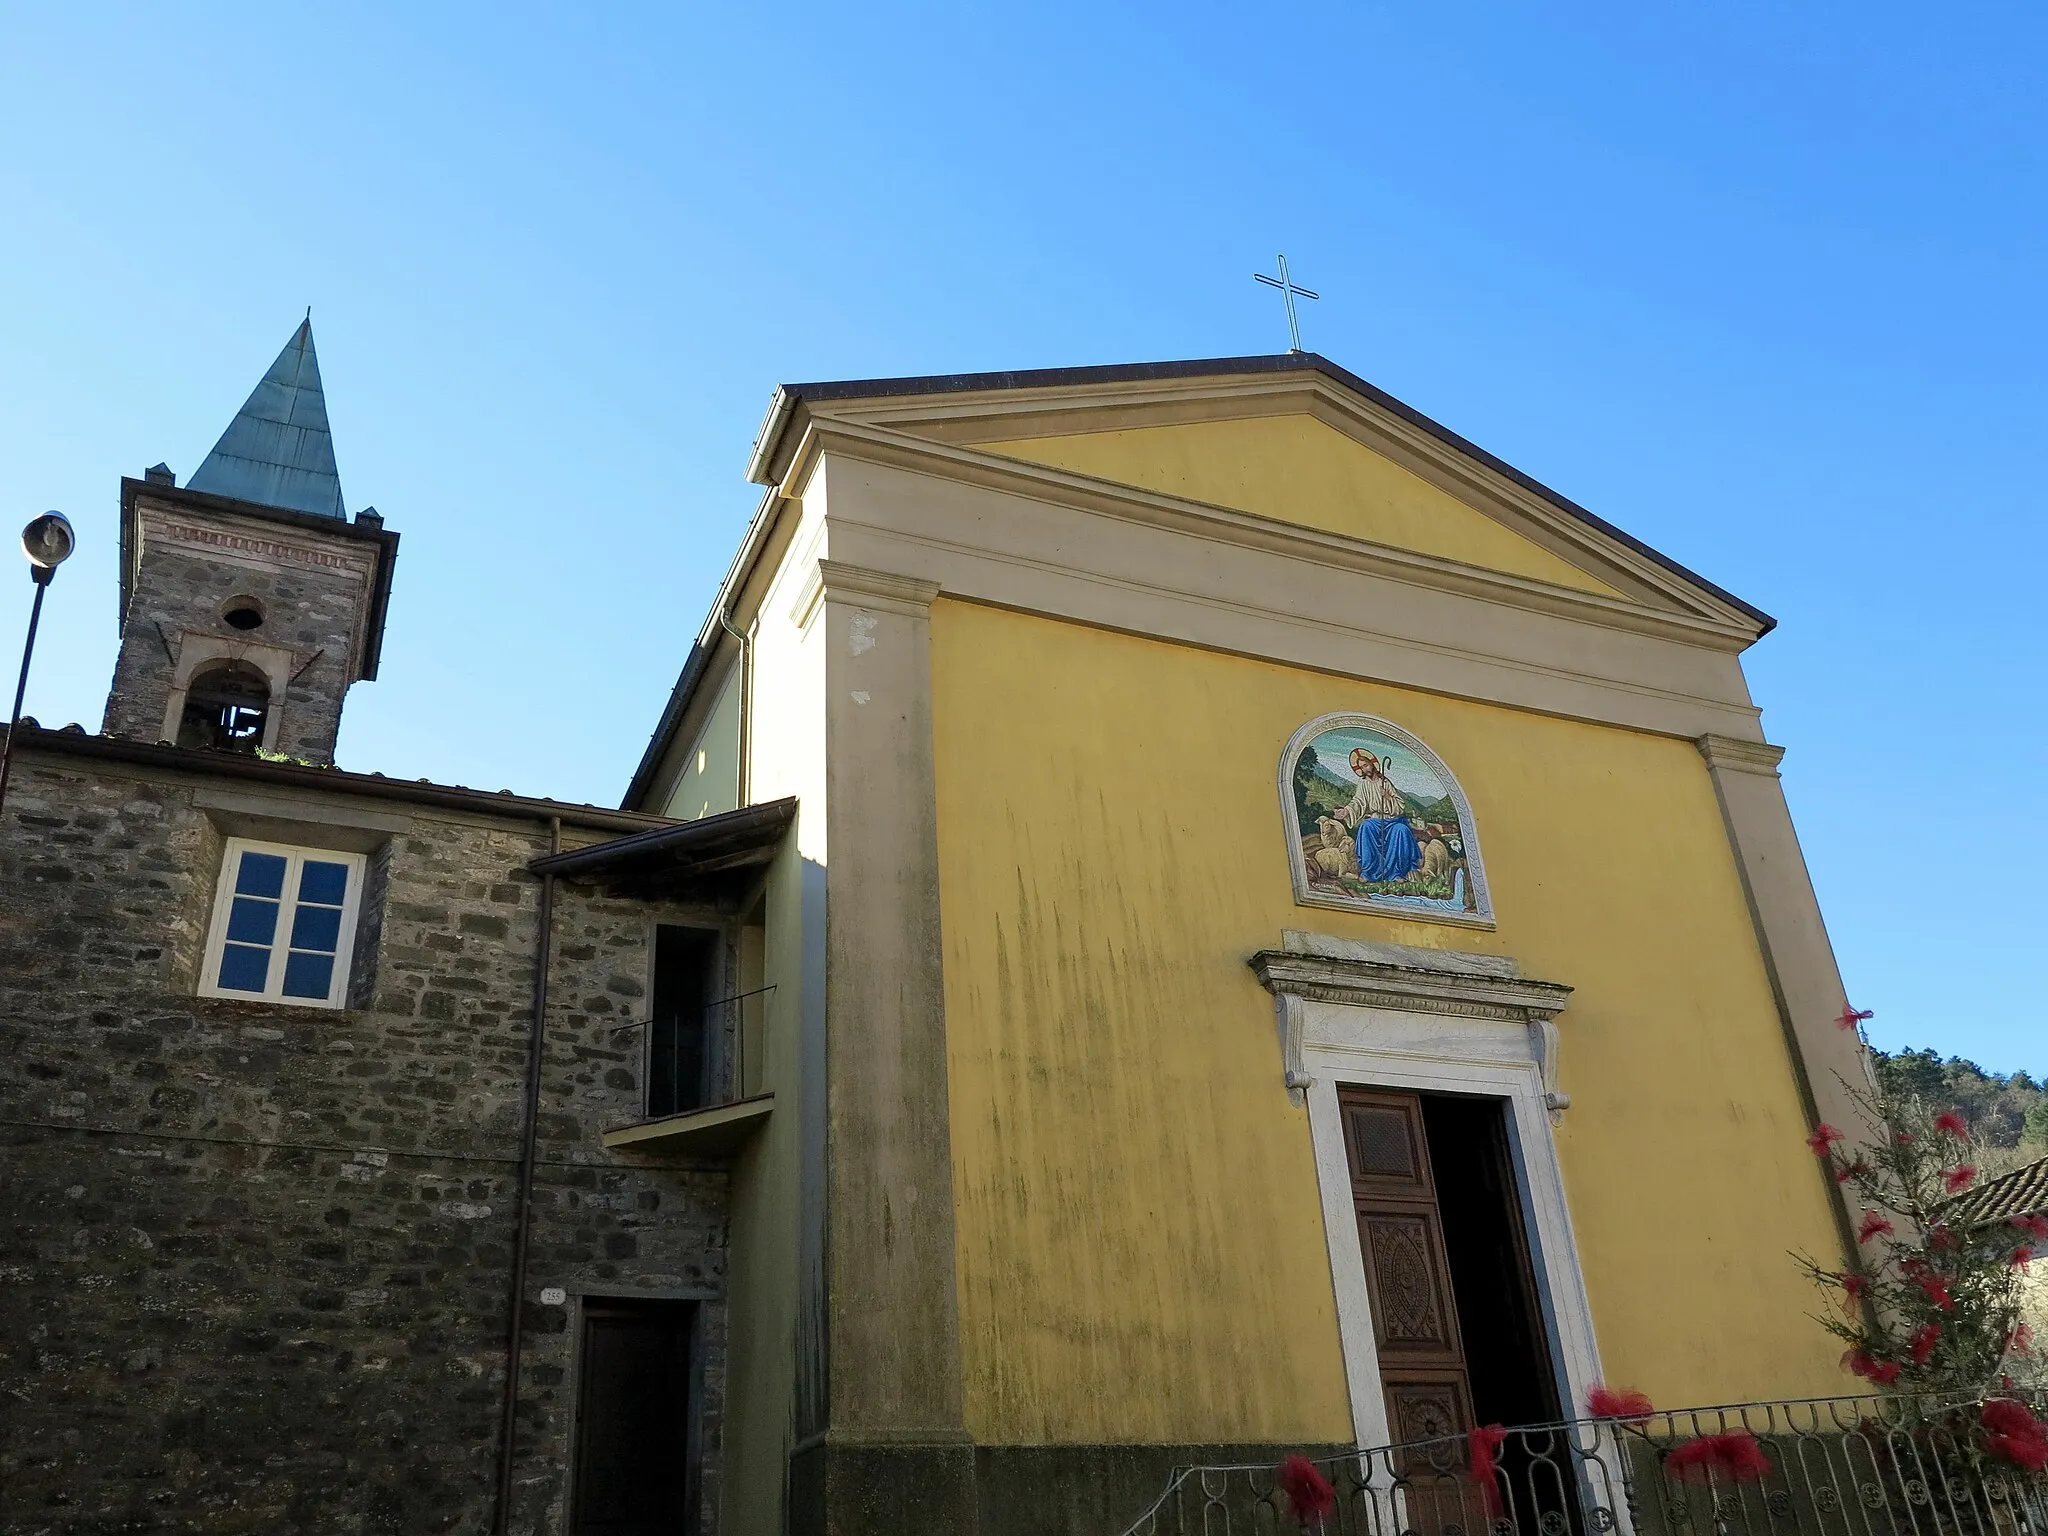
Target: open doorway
637, 1451
1456, 1321
682, 1056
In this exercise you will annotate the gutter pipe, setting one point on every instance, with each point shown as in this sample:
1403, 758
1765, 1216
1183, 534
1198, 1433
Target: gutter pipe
521, 1241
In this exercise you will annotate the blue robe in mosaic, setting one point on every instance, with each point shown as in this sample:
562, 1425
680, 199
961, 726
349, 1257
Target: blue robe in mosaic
1387, 849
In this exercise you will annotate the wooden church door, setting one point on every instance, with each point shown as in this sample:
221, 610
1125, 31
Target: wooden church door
1407, 1273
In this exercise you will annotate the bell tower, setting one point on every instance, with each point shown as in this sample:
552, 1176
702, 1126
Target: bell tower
249, 601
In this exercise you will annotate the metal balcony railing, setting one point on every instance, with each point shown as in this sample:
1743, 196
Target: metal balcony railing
696, 1058
1870, 1466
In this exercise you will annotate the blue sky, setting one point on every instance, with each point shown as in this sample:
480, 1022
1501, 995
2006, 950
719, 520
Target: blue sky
1759, 283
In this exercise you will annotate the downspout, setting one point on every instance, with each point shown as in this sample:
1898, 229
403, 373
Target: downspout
516, 1306
742, 773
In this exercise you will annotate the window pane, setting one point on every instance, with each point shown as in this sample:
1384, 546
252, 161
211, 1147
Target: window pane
262, 874
316, 928
323, 882
252, 921
308, 975
242, 968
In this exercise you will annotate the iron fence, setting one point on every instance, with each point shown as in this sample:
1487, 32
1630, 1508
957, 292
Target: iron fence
1869, 1466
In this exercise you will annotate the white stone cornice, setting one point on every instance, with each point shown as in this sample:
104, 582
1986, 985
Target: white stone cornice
1411, 989
1696, 623
1069, 409
1736, 756
884, 590
1317, 968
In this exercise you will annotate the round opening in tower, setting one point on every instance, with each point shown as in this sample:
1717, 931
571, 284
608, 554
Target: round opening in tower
242, 613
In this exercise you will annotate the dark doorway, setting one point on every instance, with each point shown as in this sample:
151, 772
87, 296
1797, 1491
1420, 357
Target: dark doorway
1507, 1350
636, 1454
680, 1064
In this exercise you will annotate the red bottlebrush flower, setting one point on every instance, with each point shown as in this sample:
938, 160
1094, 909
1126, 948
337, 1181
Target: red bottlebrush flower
1485, 1441
1859, 1363
2036, 1226
1824, 1136
1957, 1179
1903, 1138
2022, 1256
1853, 1285
1849, 1017
1309, 1494
1609, 1403
2021, 1341
1847, 1171
1935, 1289
1921, 1346
2015, 1433
1874, 1225
1941, 1237
1735, 1455
1951, 1120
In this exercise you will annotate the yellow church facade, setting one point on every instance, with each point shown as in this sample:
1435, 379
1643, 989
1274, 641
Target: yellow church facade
1291, 931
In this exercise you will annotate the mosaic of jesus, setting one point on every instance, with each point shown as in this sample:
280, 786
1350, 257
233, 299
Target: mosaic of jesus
1381, 825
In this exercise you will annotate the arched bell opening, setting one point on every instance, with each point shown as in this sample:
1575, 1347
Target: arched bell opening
226, 707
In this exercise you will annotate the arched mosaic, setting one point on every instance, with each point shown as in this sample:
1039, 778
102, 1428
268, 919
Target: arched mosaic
1377, 823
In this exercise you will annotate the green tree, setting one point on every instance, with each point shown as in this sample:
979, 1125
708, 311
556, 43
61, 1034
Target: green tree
2037, 1122
1912, 1074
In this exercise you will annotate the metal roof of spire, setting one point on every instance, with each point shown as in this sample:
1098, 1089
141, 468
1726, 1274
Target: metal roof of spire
277, 451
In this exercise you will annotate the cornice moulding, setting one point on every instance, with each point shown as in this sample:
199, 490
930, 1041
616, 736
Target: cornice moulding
1737, 756
1376, 984
1252, 531
1066, 411
875, 589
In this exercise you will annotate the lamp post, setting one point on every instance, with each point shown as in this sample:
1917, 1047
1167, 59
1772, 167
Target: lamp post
47, 542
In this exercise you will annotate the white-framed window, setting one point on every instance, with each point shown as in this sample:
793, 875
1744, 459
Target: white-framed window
284, 924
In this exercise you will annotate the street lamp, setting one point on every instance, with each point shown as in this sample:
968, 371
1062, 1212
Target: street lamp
47, 542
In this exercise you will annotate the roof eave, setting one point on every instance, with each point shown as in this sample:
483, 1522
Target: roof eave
713, 851
208, 763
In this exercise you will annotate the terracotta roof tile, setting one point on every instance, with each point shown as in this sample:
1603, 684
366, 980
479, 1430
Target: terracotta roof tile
2023, 1192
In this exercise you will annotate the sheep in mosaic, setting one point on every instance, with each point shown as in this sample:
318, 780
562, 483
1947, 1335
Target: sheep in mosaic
1336, 855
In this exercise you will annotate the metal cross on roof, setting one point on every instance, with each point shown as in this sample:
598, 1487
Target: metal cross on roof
1288, 291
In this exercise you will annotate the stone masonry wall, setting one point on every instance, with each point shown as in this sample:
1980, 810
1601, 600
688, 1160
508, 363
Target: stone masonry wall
256, 1258
312, 610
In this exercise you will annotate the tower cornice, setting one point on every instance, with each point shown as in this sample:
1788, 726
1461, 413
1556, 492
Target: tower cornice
301, 529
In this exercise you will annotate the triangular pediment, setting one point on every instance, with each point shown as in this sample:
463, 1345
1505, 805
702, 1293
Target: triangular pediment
1292, 440
1296, 469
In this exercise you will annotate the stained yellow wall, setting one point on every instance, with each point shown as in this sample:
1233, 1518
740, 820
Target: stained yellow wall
1297, 470
1141, 1250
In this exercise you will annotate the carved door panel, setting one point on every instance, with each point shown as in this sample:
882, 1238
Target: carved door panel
1407, 1275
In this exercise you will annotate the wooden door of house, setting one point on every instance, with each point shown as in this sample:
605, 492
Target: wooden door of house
1407, 1273
635, 1468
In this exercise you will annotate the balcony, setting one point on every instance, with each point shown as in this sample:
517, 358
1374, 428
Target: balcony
1871, 1466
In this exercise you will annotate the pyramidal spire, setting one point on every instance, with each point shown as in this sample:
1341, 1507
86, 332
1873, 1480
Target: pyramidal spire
277, 451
